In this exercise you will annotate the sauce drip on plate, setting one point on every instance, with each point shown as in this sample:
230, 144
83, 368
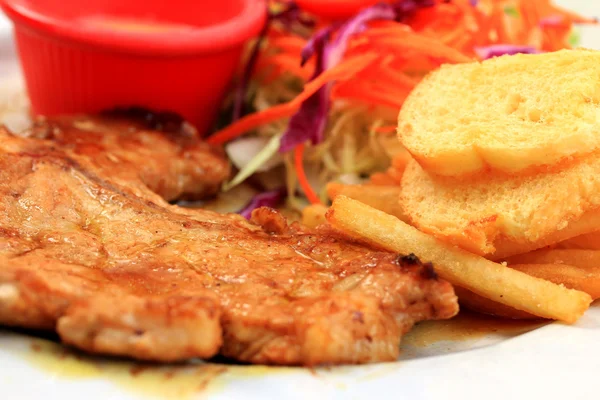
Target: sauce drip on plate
188, 380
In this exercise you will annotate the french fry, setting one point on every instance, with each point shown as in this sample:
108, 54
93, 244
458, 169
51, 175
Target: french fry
583, 275
477, 274
393, 175
382, 179
574, 277
586, 259
314, 215
400, 160
584, 278
480, 304
384, 198
589, 241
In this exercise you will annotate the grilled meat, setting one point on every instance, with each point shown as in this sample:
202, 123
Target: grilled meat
91, 249
158, 150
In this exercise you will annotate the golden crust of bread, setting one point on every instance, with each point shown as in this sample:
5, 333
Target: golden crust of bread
499, 216
509, 114
589, 222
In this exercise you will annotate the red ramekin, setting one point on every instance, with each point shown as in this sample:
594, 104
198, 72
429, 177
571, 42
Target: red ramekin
182, 62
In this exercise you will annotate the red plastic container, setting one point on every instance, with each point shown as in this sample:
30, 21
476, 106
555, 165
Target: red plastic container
92, 55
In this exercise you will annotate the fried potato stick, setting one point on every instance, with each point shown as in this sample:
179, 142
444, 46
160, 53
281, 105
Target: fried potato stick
477, 274
384, 198
314, 215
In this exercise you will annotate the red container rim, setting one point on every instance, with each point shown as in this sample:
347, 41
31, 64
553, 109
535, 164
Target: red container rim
198, 39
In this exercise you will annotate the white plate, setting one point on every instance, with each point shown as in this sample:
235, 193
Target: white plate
553, 361
459, 360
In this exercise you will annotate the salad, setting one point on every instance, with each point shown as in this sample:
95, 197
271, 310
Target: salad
320, 90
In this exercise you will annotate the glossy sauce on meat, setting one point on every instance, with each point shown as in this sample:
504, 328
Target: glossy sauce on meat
90, 248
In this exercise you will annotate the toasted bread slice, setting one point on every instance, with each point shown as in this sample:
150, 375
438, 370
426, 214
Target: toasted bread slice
510, 113
499, 216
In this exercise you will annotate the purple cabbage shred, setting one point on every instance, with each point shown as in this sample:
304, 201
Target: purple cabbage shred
288, 17
552, 20
407, 8
309, 122
265, 199
498, 50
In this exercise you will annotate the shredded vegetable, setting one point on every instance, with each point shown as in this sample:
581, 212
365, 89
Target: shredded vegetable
265, 199
309, 122
503, 49
288, 16
243, 150
332, 91
304, 184
341, 72
256, 163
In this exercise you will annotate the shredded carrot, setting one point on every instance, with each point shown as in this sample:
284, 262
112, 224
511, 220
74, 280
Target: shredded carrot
287, 63
370, 93
396, 174
555, 38
498, 27
302, 180
400, 79
343, 71
289, 43
386, 129
570, 16
382, 179
446, 32
385, 61
253, 120
394, 41
348, 93
400, 160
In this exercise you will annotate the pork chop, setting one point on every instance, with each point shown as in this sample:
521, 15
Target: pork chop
90, 250
158, 149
